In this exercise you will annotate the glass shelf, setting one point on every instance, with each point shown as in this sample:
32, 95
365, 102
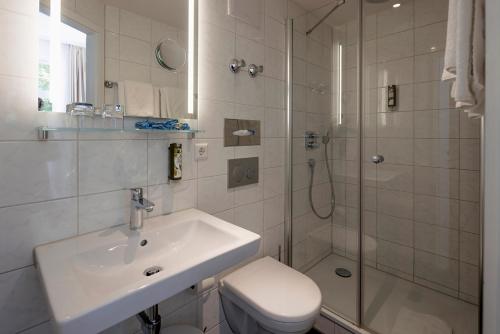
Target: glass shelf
43, 131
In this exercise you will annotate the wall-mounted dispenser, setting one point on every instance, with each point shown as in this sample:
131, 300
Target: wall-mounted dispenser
175, 161
241, 132
392, 96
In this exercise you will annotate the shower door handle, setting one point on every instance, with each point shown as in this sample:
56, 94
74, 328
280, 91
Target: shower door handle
377, 159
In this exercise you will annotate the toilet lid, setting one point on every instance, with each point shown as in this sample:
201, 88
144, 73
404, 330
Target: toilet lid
275, 290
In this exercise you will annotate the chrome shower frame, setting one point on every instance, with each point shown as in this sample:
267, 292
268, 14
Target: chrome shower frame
289, 144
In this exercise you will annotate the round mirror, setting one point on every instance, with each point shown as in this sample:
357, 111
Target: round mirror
170, 55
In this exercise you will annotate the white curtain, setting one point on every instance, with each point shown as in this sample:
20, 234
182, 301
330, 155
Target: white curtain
77, 69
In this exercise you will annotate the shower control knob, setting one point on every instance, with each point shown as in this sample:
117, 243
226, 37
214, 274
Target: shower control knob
236, 64
253, 70
377, 159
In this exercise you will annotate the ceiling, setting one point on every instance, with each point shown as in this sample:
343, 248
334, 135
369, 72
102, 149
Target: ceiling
319, 8
345, 13
167, 11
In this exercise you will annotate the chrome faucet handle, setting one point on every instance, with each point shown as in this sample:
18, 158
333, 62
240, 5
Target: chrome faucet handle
140, 201
137, 194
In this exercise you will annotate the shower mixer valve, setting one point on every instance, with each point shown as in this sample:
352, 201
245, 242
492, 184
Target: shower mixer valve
311, 140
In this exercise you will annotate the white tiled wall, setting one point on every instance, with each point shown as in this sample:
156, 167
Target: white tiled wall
68, 185
259, 207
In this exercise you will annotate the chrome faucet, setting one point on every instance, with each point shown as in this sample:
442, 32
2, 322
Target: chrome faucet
138, 204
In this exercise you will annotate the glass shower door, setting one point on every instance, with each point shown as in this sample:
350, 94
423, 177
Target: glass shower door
421, 178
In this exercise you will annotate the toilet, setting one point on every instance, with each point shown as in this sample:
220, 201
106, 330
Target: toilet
267, 296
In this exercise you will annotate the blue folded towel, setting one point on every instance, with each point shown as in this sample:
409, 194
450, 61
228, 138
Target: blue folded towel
169, 124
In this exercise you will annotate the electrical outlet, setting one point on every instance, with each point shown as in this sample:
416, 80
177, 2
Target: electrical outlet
201, 151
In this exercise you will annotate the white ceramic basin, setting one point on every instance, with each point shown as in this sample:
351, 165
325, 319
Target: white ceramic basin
96, 280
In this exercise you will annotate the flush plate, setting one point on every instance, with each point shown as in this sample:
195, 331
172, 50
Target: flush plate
242, 172
232, 126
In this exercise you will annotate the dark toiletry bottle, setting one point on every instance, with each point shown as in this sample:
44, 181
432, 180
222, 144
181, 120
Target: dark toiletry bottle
175, 161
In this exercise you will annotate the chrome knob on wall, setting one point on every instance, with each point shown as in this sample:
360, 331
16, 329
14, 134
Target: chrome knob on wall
377, 159
236, 65
253, 70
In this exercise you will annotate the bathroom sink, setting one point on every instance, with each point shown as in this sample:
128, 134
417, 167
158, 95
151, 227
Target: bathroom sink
99, 279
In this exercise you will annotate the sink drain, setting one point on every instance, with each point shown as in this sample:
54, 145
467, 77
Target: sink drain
152, 270
343, 272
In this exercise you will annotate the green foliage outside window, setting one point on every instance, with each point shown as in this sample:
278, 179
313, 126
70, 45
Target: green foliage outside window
44, 86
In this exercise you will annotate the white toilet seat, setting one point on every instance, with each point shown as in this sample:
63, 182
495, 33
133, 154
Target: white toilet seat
278, 297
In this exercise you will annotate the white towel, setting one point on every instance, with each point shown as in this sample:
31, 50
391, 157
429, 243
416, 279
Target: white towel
138, 98
173, 102
478, 54
464, 55
157, 99
408, 321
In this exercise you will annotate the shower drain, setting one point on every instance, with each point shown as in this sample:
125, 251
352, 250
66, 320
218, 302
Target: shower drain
343, 272
152, 270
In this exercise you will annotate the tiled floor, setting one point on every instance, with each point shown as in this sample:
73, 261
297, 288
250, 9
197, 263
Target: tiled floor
392, 305
330, 329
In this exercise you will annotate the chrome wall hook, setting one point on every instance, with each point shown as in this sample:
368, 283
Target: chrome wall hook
236, 65
253, 70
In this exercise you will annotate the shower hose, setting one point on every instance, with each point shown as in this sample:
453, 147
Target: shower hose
312, 164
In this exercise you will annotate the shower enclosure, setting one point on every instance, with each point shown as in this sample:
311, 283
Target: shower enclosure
384, 172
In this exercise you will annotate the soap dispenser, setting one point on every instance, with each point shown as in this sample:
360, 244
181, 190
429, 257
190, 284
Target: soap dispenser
175, 161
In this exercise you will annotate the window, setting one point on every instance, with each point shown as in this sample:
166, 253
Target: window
72, 66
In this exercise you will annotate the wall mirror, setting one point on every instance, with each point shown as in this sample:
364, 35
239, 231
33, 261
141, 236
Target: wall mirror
138, 54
